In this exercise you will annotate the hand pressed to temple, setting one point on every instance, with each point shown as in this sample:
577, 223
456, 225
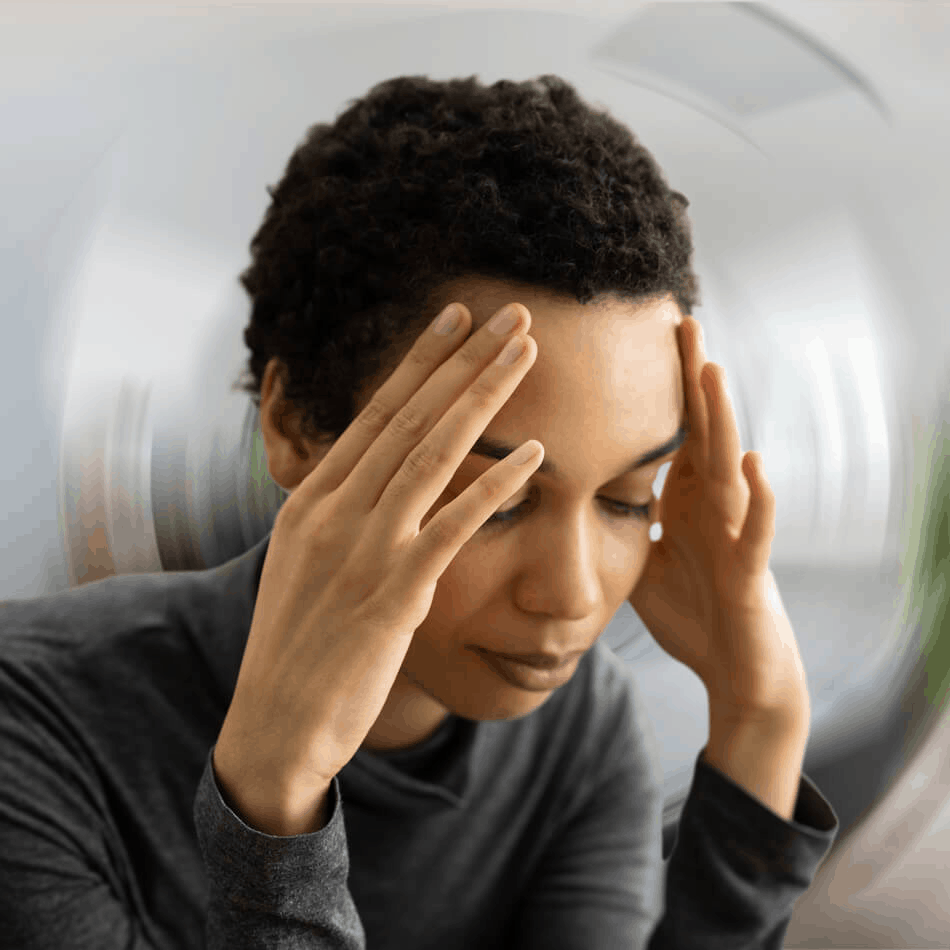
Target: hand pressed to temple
707, 595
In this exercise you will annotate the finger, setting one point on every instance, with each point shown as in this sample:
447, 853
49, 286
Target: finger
693, 356
453, 525
723, 448
429, 353
754, 546
430, 466
403, 443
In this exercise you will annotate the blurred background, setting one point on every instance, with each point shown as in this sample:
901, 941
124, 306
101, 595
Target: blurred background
812, 142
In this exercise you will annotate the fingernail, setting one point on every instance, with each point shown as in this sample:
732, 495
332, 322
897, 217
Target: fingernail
523, 453
512, 351
504, 321
448, 320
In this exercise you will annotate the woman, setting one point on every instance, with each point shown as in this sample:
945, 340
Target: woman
322, 743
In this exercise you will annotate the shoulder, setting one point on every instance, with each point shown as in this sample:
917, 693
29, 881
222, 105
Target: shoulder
133, 604
82, 614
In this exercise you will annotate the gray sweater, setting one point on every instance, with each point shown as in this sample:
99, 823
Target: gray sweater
541, 832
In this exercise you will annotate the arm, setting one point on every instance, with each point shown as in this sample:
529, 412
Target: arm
269, 809
60, 874
761, 754
735, 872
281, 885
71, 868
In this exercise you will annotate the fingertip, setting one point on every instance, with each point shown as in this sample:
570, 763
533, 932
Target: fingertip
759, 483
527, 318
528, 453
752, 466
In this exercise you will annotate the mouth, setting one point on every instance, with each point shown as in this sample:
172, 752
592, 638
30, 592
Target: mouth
524, 676
537, 661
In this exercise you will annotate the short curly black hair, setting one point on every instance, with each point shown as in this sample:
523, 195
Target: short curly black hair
421, 183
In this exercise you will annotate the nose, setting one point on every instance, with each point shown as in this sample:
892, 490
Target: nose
564, 581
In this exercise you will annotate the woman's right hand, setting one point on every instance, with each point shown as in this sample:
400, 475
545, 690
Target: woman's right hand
349, 575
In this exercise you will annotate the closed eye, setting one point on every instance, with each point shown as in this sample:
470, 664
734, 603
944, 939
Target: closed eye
619, 510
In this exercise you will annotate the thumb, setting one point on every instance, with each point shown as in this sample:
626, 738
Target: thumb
754, 546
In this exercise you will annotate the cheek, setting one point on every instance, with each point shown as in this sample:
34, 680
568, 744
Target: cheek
624, 561
452, 620
625, 551
471, 580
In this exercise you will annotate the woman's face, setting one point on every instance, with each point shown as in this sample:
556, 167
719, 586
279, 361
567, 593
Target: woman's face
605, 389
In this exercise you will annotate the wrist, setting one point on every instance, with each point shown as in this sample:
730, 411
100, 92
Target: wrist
268, 808
763, 756
779, 701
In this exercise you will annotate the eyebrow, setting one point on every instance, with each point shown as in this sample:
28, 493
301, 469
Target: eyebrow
491, 448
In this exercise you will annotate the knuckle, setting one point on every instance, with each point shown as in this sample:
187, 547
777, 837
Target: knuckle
420, 358
472, 357
421, 461
287, 517
488, 488
443, 529
410, 424
483, 394
422, 363
375, 416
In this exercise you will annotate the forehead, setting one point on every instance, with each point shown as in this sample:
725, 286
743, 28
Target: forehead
606, 384
485, 297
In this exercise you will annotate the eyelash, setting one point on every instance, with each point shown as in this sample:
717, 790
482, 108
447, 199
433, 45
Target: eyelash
639, 512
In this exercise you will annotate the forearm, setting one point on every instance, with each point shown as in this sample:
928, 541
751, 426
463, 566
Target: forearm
762, 755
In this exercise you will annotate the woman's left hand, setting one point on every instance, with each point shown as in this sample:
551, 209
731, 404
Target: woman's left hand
706, 594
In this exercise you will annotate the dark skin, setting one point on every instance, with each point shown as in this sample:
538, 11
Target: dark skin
608, 378
367, 623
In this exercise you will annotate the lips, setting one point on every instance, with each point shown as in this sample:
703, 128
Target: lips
527, 677
537, 660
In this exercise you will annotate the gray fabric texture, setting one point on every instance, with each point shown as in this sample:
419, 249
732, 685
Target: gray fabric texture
542, 832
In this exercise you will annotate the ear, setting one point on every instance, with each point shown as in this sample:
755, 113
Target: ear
290, 455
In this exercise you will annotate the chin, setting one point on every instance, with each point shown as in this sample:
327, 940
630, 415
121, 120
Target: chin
482, 701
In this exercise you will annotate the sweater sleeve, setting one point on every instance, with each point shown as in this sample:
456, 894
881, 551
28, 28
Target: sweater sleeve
282, 893
737, 868
731, 881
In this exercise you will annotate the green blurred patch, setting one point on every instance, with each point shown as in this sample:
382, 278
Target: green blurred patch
927, 556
